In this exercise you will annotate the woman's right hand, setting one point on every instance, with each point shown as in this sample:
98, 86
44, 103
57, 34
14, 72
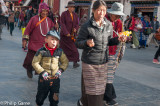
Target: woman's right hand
90, 43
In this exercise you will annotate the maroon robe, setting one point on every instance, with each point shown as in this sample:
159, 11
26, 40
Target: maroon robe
66, 43
36, 40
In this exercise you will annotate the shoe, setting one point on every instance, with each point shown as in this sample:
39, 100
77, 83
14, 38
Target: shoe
79, 103
133, 46
75, 65
146, 45
143, 46
139, 47
111, 103
156, 61
29, 74
156, 46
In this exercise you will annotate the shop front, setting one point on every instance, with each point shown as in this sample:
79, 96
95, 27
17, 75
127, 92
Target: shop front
146, 7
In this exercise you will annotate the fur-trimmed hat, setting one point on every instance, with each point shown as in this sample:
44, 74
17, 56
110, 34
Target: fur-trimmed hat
43, 6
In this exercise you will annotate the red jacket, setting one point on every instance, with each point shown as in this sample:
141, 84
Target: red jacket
132, 24
117, 26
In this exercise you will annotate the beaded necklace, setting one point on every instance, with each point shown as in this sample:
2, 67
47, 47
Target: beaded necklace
41, 27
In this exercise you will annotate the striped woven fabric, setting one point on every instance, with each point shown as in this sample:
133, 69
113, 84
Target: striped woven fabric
111, 68
95, 78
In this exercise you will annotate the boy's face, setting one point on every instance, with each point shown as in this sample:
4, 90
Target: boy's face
52, 41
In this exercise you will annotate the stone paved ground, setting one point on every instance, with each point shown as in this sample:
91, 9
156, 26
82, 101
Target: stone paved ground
136, 81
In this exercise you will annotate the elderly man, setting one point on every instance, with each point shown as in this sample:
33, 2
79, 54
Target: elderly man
35, 33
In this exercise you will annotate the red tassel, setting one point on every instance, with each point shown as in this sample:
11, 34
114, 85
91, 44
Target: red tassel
41, 1
19, 1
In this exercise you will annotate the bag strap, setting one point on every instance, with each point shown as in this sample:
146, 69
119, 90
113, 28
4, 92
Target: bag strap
40, 21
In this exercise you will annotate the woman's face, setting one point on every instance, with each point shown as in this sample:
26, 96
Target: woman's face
100, 13
44, 13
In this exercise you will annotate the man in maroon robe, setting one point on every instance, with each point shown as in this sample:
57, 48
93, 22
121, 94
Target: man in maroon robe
69, 24
35, 33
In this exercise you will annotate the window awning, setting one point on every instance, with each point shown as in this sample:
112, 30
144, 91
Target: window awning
82, 4
10, 0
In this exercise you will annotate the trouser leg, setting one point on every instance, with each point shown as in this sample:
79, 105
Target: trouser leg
54, 93
110, 93
84, 96
43, 89
0, 31
149, 38
157, 53
155, 41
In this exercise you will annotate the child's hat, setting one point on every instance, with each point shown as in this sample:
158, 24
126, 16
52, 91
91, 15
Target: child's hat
54, 33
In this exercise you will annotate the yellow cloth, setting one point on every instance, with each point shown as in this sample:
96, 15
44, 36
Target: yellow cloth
23, 29
71, 16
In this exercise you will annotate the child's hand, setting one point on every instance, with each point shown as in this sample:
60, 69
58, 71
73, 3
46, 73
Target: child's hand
58, 73
45, 76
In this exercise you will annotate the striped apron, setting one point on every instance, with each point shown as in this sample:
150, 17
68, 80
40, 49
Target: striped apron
95, 78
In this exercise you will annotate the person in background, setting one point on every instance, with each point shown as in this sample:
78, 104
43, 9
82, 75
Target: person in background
7, 15
28, 14
50, 15
154, 27
131, 25
34, 11
69, 27
16, 16
157, 54
56, 22
2, 20
35, 34
22, 18
137, 29
125, 23
113, 16
11, 22
146, 26
83, 20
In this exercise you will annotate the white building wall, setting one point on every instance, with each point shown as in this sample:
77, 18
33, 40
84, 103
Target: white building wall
63, 4
127, 9
158, 13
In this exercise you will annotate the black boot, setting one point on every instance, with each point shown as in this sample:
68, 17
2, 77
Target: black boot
75, 65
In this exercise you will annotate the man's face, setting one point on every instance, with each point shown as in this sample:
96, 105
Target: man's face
44, 13
52, 41
71, 8
114, 17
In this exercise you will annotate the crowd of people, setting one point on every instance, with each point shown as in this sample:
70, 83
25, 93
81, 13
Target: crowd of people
52, 41
143, 32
